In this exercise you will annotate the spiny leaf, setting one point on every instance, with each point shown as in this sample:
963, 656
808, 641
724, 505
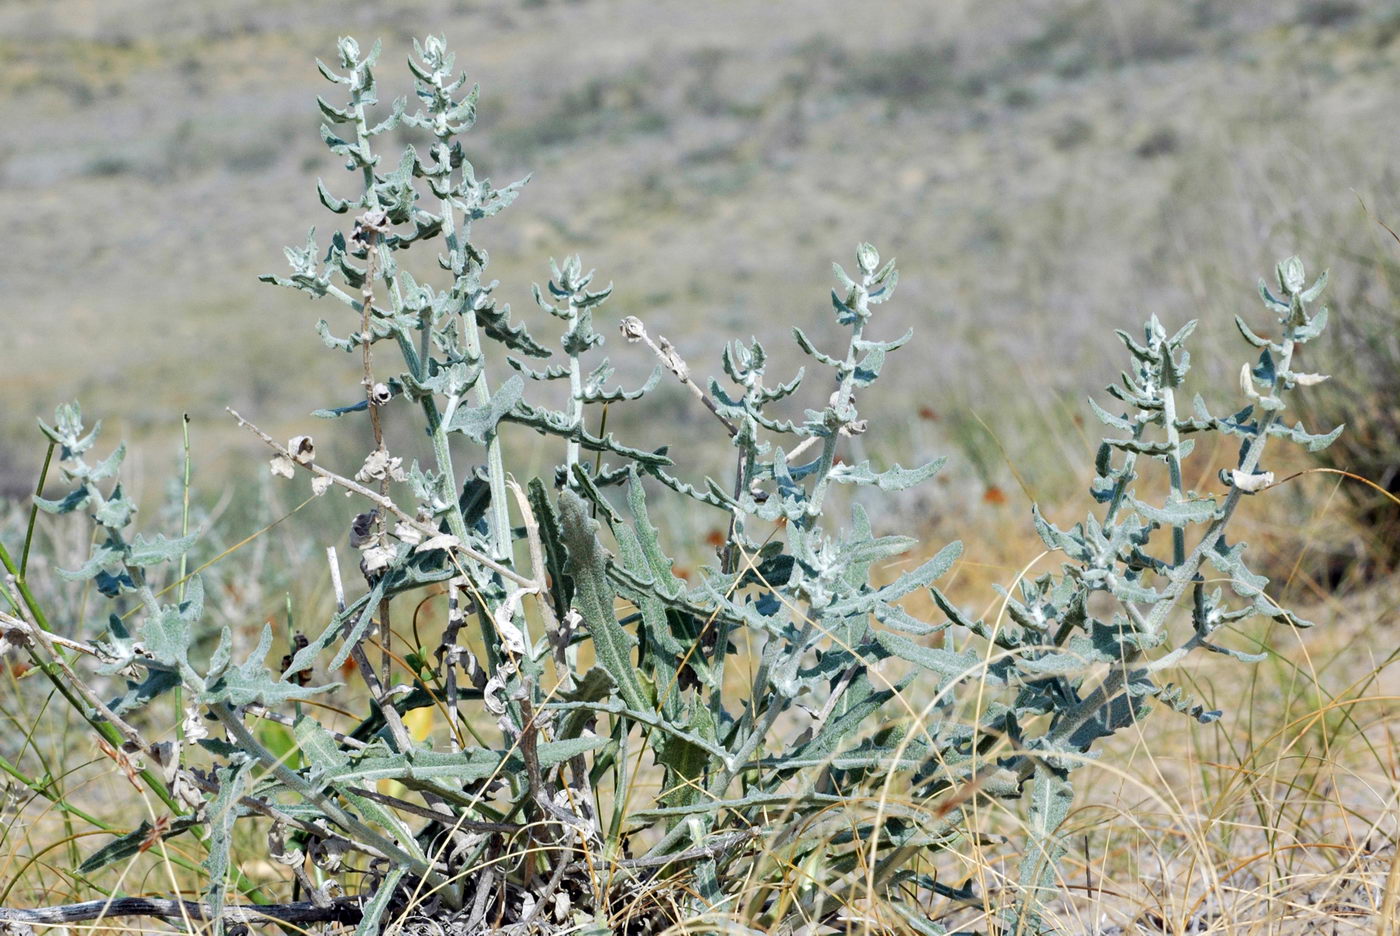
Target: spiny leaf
374, 909
220, 815
478, 423
131, 844
160, 549
251, 682
948, 664
895, 479
593, 598
1179, 513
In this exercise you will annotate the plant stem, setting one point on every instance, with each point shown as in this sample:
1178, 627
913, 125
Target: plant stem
842, 398
34, 513
1181, 577
571, 451
1174, 471
51, 670
294, 781
35, 610
415, 361
178, 694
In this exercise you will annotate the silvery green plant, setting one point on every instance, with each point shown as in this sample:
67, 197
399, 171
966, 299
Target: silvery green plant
659, 781
1059, 642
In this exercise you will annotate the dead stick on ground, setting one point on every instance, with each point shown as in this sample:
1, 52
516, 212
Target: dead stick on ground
345, 910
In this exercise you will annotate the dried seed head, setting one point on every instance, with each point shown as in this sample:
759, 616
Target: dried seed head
380, 465
369, 227
302, 448
1249, 483
491, 696
329, 853
183, 788
632, 328
194, 726
14, 638
380, 394
512, 638
362, 528
11, 799
375, 560
278, 850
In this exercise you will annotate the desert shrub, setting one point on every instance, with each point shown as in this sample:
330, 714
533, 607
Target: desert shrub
1364, 357
776, 740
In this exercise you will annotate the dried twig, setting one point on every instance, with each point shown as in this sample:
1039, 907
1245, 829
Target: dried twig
132, 737
446, 818
666, 353
486, 879
344, 910
547, 894
385, 503
448, 653
24, 628
369, 227
720, 845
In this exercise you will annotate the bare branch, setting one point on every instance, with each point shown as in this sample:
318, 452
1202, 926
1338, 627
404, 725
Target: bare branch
344, 910
633, 330
384, 502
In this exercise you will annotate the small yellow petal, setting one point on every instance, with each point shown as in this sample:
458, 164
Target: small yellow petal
419, 722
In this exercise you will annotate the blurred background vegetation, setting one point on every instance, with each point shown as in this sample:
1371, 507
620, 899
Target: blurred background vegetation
1044, 171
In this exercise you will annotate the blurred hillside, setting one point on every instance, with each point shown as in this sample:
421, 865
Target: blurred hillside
1043, 170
